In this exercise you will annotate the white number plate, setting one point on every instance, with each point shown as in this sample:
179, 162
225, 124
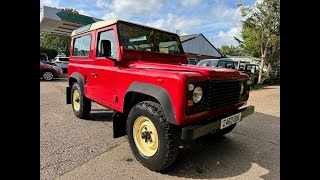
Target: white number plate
230, 120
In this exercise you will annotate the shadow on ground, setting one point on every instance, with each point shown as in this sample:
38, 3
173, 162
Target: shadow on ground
55, 80
100, 115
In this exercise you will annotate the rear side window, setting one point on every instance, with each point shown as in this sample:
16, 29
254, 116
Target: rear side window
81, 46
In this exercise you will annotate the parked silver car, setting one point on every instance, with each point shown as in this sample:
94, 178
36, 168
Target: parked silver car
62, 62
223, 63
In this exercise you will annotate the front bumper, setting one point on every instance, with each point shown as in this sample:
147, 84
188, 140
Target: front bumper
191, 132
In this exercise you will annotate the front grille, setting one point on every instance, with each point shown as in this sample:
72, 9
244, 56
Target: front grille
222, 93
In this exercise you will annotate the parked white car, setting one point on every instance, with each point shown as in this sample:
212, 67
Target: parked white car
62, 62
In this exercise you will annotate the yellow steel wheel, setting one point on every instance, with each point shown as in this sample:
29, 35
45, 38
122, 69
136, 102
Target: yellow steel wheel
145, 136
76, 100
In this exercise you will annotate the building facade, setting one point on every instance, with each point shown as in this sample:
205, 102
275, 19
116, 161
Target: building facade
198, 47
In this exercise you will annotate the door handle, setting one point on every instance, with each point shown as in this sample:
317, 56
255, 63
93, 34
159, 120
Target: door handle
94, 74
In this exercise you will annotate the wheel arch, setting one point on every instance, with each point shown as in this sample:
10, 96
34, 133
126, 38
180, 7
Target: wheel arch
157, 94
73, 78
76, 78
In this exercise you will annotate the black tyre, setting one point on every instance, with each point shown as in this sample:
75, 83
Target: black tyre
47, 75
221, 132
80, 104
153, 140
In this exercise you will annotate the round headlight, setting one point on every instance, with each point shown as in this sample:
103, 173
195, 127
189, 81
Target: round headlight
197, 94
241, 88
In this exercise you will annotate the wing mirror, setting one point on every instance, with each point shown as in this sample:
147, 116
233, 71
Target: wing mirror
105, 48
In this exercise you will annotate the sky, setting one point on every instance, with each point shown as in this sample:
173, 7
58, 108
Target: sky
218, 20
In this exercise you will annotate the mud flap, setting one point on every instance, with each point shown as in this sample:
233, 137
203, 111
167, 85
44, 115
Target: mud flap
119, 124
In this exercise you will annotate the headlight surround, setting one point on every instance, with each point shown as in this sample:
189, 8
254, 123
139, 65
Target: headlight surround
197, 94
242, 88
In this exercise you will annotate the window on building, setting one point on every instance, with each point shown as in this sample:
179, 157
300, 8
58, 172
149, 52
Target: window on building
81, 46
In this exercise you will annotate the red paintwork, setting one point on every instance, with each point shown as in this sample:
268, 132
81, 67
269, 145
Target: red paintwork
112, 82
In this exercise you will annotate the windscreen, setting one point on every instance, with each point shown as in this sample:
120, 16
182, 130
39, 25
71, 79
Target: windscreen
147, 39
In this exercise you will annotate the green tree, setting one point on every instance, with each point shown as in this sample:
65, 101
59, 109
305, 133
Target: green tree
261, 32
226, 51
56, 42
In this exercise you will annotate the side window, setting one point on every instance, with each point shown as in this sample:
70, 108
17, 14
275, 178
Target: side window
229, 65
205, 63
241, 68
235, 65
81, 46
107, 35
209, 63
221, 64
200, 63
248, 68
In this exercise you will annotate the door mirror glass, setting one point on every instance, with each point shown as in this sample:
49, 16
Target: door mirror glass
105, 48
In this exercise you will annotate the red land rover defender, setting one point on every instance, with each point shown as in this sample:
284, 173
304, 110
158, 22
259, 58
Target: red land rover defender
159, 100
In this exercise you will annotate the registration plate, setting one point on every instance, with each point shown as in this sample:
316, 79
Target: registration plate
230, 120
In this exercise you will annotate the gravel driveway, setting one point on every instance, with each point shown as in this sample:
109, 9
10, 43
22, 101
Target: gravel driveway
84, 149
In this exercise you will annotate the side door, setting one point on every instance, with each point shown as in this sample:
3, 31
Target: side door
82, 58
105, 67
